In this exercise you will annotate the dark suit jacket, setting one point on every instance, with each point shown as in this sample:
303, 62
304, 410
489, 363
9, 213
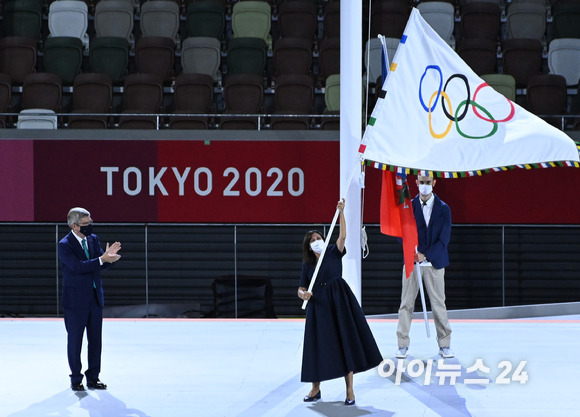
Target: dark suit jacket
433, 240
79, 273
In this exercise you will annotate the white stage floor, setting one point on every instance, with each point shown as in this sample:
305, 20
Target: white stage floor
251, 368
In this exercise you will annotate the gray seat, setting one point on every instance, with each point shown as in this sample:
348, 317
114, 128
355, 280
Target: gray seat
69, 18
526, 20
564, 59
201, 55
374, 56
36, 119
115, 18
373, 60
441, 17
160, 18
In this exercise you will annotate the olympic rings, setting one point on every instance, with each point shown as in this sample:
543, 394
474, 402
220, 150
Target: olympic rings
493, 130
507, 119
462, 109
464, 78
430, 109
442, 135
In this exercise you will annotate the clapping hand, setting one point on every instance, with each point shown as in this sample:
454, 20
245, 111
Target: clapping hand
111, 254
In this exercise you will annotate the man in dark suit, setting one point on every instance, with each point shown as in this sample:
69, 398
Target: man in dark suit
81, 260
433, 218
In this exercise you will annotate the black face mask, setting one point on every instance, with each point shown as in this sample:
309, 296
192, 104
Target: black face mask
87, 230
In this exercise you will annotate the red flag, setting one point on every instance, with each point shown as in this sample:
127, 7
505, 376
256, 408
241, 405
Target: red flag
397, 215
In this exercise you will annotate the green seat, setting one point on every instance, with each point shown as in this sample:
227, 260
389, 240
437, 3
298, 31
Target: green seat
502, 83
63, 55
247, 56
205, 18
332, 92
110, 55
332, 102
23, 18
565, 19
252, 19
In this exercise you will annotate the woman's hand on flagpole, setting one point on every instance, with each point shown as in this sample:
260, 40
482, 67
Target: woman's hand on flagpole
303, 294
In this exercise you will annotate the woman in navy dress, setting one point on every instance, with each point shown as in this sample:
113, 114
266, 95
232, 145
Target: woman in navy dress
337, 339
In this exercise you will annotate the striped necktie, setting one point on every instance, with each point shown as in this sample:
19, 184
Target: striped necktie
85, 248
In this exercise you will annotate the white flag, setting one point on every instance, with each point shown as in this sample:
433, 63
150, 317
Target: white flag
438, 115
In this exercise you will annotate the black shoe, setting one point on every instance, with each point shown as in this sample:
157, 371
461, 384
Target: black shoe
348, 402
96, 385
77, 387
309, 399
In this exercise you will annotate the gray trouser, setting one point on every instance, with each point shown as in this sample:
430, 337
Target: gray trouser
434, 281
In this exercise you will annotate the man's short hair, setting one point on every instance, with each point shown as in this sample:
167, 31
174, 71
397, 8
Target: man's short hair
76, 214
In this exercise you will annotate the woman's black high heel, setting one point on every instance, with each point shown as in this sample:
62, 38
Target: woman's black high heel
309, 399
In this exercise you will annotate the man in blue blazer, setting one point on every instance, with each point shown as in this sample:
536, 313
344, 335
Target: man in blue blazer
433, 218
81, 260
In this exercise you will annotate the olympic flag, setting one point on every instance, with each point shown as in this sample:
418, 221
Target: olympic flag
438, 115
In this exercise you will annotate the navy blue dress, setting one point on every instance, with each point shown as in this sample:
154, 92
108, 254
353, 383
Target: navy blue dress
337, 337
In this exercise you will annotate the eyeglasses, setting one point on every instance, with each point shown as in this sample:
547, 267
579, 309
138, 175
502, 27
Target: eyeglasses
84, 224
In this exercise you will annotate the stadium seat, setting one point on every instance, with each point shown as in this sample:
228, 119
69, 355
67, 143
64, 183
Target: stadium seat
23, 18
206, 19
502, 83
252, 19
328, 58
546, 95
522, 58
69, 18
292, 56
481, 20
109, 54
142, 94
332, 102
297, 19
160, 18
42, 90
115, 18
294, 95
246, 55
526, 20
441, 17
17, 57
479, 54
155, 55
331, 20
389, 18
201, 55
92, 93
5, 97
193, 94
63, 55
37, 119
243, 94
564, 59
565, 19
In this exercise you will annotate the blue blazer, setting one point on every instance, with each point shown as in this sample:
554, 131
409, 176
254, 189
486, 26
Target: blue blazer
433, 240
79, 273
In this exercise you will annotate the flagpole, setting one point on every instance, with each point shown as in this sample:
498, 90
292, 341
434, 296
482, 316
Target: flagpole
420, 281
329, 234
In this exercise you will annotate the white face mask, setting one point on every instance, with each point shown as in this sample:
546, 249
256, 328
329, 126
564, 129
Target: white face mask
425, 189
317, 246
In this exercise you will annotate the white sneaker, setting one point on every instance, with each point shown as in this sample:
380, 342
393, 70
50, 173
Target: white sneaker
402, 353
446, 352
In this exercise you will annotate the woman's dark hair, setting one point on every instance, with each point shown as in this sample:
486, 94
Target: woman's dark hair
308, 255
